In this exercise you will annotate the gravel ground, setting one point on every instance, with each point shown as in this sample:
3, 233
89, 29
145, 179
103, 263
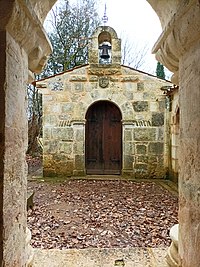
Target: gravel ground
101, 214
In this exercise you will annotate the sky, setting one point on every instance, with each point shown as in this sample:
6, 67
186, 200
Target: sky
137, 21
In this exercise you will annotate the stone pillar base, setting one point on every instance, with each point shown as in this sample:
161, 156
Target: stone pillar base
29, 249
172, 257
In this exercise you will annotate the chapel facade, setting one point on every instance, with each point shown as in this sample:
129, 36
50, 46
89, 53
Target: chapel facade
178, 48
104, 117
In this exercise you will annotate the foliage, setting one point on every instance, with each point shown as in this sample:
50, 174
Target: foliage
160, 72
72, 27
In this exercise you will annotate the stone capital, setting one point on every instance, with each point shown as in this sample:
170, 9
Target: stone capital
23, 24
178, 35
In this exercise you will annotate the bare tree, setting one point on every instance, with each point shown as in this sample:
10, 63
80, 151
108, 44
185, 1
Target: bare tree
71, 28
34, 113
133, 54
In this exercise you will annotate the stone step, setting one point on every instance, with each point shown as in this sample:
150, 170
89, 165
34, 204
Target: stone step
127, 257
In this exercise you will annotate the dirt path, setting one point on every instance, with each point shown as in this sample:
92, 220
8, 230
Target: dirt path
101, 214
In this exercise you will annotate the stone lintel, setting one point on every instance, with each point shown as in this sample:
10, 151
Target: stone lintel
130, 78
78, 78
101, 70
78, 122
25, 27
172, 44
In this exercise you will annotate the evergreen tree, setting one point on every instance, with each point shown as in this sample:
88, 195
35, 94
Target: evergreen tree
160, 72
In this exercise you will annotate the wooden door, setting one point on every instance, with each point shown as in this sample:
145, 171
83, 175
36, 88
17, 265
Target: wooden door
103, 139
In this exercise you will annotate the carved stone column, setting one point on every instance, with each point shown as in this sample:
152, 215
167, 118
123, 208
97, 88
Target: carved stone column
23, 49
178, 48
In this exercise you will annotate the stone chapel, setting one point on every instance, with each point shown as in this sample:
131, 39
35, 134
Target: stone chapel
104, 117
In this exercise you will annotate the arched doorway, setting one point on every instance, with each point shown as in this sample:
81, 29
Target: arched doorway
103, 139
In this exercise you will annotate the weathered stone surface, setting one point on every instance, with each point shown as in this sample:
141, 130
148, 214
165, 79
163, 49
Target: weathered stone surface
79, 162
139, 106
19, 54
78, 148
141, 167
157, 119
128, 148
136, 94
143, 159
128, 135
64, 134
141, 149
156, 148
65, 147
137, 257
162, 105
128, 162
140, 86
144, 134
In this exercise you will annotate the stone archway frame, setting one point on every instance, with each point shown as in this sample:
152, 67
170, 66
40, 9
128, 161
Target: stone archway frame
180, 41
178, 49
24, 50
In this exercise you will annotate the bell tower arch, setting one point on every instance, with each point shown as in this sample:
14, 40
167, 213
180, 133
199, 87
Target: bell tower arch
105, 47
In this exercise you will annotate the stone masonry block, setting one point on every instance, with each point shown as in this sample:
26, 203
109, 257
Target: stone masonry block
144, 134
80, 134
140, 86
65, 147
128, 148
156, 148
128, 95
128, 135
79, 162
140, 106
157, 119
64, 134
141, 149
142, 159
50, 146
49, 120
141, 166
162, 105
128, 162
154, 107
78, 148
78, 87
160, 134
47, 133
66, 107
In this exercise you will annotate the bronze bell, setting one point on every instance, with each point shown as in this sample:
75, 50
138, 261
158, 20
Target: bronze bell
104, 53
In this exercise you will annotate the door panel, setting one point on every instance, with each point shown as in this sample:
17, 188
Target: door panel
103, 139
94, 139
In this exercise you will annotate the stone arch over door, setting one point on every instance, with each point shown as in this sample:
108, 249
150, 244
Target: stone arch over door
103, 139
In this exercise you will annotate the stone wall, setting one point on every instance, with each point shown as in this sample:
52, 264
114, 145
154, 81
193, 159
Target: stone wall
189, 183
178, 48
66, 99
174, 135
20, 55
15, 166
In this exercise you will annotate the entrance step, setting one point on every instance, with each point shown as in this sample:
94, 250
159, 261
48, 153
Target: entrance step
127, 257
